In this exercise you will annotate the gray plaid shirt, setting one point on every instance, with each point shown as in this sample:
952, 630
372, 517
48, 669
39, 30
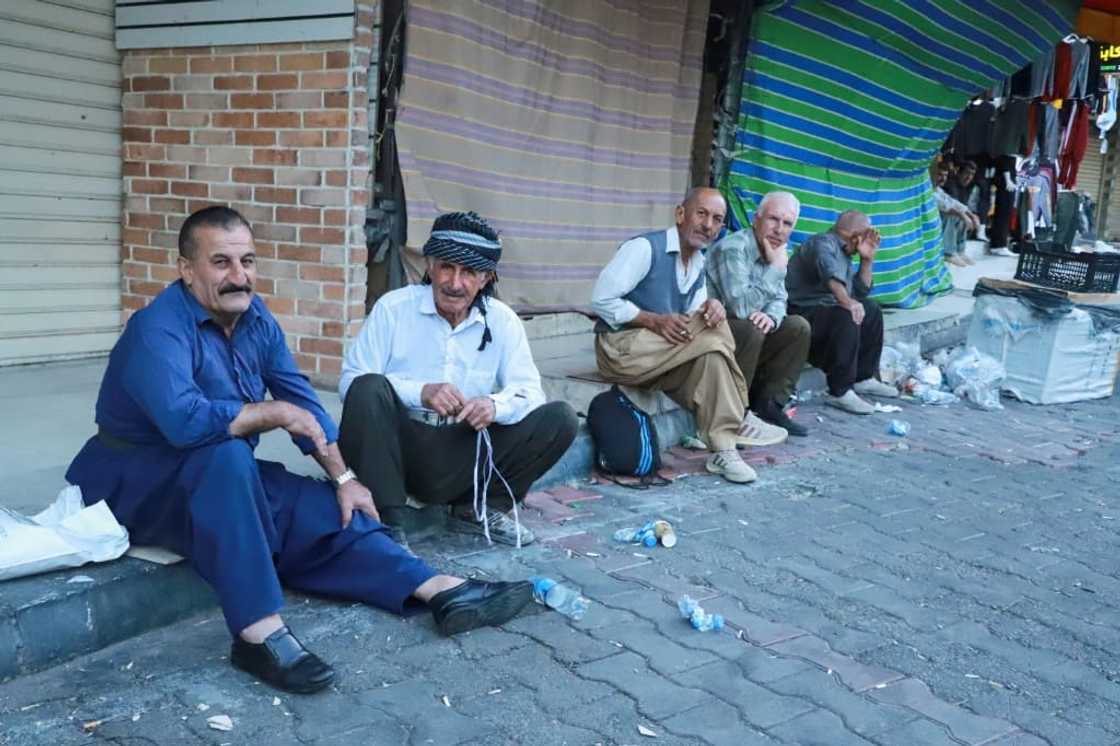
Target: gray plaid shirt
742, 281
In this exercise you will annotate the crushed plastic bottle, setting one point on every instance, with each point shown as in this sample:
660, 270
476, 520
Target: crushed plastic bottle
901, 428
645, 535
700, 620
559, 598
648, 535
929, 395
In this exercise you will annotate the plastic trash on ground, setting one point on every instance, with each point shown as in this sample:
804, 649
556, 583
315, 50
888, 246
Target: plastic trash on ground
559, 598
929, 374
976, 377
899, 428
649, 535
693, 443
66, 534
899, 362
697, 617
927, 394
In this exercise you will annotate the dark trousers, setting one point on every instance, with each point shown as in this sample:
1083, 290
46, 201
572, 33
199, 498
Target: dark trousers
247, 526
396, 456
771, 362
845, 351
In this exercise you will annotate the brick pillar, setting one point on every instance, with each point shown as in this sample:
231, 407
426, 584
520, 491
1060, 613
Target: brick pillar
278, 132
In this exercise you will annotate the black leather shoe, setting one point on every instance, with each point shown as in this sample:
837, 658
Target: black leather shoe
283, 662
476, 603
769, 411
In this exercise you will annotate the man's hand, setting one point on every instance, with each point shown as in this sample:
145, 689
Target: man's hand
712, 312
974, 220
298, 421
858, 311
764, 323
442, 398
354, 496
672, 326
775, 256
867, 244
478, 412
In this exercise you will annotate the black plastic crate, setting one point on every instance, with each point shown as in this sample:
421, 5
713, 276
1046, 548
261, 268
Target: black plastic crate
1064, 270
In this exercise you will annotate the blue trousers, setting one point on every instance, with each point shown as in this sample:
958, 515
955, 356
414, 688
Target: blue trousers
247, 526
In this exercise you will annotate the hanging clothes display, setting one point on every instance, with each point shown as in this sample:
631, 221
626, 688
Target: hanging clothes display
1075, 143
1043, 116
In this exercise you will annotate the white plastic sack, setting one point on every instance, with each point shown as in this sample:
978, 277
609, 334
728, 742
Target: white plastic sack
976, 378
66, 534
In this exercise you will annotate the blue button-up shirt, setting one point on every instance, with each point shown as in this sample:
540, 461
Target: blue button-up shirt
175, 378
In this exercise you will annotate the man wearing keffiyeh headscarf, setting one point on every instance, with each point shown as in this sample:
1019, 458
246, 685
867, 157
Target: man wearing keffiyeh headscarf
439, 387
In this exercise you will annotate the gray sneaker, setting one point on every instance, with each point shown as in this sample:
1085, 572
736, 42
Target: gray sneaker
849, 402
503, 528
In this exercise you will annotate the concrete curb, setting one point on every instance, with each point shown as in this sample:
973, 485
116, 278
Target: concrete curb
48, 619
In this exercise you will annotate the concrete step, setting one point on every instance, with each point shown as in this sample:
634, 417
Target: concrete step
51, 618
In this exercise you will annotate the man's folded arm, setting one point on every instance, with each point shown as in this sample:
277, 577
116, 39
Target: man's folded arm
158, 376
286, 383
733, 272
519, 381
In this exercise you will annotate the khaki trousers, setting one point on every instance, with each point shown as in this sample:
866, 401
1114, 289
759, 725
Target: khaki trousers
701, 375
771, 362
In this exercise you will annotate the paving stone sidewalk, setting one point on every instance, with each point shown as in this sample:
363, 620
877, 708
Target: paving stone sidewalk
958, 586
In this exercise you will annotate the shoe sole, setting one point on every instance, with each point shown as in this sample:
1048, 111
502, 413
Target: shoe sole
851, 411
498, 609
720, 472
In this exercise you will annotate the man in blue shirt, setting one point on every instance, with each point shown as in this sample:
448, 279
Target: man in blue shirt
179, 413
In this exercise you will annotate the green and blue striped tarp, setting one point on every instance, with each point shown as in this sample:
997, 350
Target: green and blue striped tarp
845, 103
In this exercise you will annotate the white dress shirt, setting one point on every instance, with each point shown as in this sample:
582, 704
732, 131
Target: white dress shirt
408, 342
629, 266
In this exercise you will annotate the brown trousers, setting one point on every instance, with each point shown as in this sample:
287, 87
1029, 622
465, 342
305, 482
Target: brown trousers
771, 362
701, 375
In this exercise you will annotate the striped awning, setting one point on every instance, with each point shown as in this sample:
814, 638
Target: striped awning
846, 102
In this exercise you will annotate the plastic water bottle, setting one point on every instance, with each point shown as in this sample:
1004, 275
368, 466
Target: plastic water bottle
700, 620
559, 598
644, 535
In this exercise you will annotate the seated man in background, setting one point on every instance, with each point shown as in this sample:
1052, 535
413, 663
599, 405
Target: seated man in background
847, 326
441, 377
747, 273
659, 329
181, 408
957, 220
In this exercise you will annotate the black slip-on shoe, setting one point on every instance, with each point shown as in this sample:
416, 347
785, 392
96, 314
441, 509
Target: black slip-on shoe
769, 411
283, 662
476, 604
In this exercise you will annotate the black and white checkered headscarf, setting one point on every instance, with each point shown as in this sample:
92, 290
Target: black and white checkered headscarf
466, 239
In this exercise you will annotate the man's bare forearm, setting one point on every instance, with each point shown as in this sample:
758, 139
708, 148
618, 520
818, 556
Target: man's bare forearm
331, 460
840, 293
260, 417
865, 274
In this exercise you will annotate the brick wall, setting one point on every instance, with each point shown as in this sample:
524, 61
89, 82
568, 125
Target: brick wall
280, 133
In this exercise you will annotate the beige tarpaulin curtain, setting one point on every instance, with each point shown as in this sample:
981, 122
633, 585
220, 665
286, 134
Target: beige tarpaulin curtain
567, 125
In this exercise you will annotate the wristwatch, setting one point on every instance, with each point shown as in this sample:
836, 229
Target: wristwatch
344, 477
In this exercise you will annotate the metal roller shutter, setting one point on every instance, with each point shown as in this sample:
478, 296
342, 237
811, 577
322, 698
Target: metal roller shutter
60, 180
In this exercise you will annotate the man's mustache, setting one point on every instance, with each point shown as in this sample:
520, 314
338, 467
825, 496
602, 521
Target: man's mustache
227, 289
454, 293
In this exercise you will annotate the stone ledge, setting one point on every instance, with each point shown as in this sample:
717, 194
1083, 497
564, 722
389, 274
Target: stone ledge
46, 619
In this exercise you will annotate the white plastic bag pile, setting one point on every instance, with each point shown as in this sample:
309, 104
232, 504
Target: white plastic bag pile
66, 534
